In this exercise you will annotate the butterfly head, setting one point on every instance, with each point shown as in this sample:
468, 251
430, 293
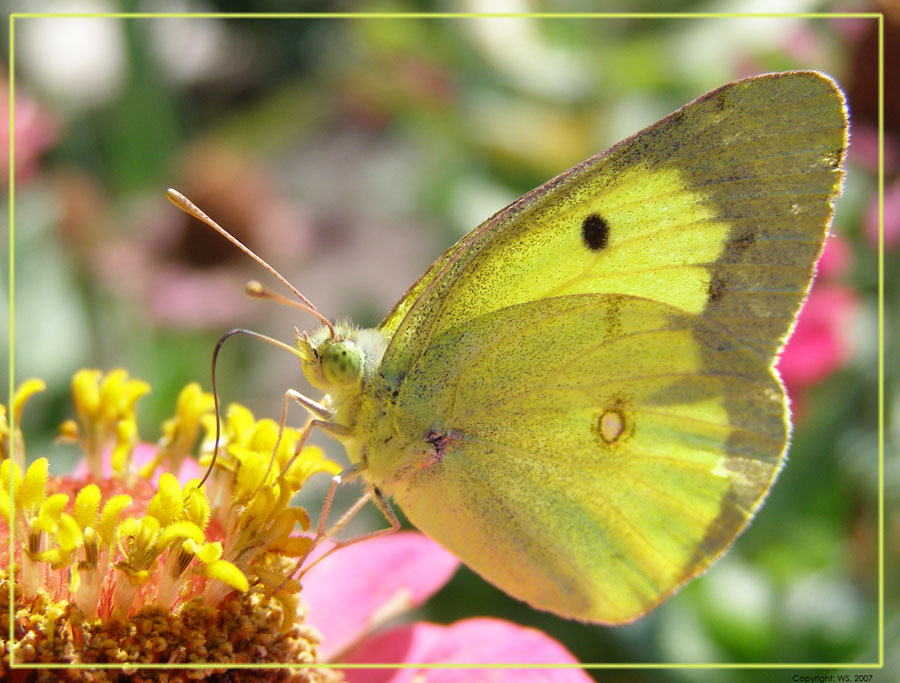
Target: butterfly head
340, 362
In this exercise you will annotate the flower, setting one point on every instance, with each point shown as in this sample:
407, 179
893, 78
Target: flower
870, 222
112, 568
821, 343
13, 441
36, 132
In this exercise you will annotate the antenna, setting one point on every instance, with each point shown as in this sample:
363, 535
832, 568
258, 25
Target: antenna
192, 209
215, 393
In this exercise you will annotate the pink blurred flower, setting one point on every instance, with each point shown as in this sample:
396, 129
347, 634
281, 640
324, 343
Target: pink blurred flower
836, 259
818, 346
891, 218
820, 343
36, 131
356, 589
864, 148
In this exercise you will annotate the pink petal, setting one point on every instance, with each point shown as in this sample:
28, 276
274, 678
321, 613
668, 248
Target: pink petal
820, 343
472, 641
891, 218
190, 469
143, 453
36, 131
864, 148
837, 258
347, 590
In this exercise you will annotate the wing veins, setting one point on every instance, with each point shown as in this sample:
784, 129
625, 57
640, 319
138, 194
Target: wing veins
462, 417
527, 529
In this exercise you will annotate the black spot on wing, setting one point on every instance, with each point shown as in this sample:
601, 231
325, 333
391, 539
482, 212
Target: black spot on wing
595, 232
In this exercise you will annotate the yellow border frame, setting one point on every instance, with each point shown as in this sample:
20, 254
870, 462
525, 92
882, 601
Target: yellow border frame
463, 15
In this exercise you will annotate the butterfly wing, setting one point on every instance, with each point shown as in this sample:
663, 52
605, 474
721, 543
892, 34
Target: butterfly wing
590, 453
720, 209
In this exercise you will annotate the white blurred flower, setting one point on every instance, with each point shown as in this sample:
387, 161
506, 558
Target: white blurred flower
517, 48
191, 50
78, 61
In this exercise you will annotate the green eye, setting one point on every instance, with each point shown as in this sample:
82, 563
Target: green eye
342, 363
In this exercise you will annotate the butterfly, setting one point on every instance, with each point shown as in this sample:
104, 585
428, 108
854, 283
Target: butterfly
579, 398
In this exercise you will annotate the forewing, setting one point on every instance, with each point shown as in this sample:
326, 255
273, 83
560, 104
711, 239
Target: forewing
590, 453
720, 209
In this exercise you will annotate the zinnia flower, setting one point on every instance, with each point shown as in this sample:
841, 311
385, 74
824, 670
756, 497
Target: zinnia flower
115, 566
112, 569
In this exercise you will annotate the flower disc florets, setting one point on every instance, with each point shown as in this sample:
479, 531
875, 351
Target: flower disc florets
110, 568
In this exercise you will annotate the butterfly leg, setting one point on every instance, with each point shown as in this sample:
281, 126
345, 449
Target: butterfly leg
337, 480
372, 494
314, 408
323, 421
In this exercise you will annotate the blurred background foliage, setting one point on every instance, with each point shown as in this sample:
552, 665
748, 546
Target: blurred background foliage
350, 153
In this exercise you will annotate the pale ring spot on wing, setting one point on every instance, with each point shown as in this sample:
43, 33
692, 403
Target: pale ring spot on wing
611, 424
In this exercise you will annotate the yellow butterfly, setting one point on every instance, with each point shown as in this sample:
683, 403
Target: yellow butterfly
578, 399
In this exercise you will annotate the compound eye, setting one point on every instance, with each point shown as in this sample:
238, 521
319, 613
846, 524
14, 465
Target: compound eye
342, 363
